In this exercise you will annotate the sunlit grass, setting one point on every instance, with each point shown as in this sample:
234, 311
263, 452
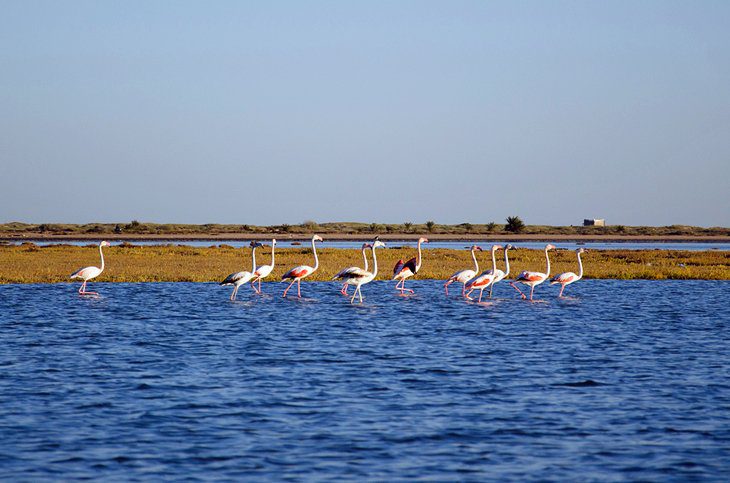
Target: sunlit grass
29, 263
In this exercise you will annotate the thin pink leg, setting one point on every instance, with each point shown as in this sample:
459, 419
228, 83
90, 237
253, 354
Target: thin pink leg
446, 287
287, 289
469, 293
520, 291
259, 285
299, 288
562, 287
480, 295
463, 289
532, 289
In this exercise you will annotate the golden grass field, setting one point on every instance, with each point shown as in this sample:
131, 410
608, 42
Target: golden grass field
29, 263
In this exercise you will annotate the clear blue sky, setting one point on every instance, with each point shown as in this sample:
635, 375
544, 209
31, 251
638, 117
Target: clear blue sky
280, 112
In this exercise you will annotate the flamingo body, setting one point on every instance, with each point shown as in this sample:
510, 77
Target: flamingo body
358, 276
486, 279
88, 273
463, 276
566, 278
404, 270
296, 274
342, 273
239, 278
533, 279
263, 271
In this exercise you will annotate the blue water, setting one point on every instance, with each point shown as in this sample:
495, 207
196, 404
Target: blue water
626, 380
693, 246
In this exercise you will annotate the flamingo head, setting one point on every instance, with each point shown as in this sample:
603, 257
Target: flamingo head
273, 242
378, 243
496, 247
317, 238
256, 244
423, 240
477, 248
105, 244
549, 247
366, 245
581, 250
509, 246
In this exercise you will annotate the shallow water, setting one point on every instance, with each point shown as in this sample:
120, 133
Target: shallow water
456, 245
625, 380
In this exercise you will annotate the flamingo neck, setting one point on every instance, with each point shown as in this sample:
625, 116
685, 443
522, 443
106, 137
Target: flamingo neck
506, 262
418, 257
580, 267
375, 263
273, 247
365, 258
253, 259
476, 264
547, 257
316, 259
101, 253
494, 261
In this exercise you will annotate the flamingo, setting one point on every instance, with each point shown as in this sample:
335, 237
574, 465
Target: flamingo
296, 274
533, 278
263, 271
358, 276
239, 278
404, 270
567, 278
87, 273
464, 276
342, 272
484, 280
500, 275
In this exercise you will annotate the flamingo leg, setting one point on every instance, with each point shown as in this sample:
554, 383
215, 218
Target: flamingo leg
82, 289
253, 285
490, 290
480, 295
353, 294
359, 292
343, 290
287, 289
259, 285
520, 291
446, 286
562, 287
233, 294
463, 289
299, 288
532, 289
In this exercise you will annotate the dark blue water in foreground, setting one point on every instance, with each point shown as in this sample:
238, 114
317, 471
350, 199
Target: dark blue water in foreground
626, 381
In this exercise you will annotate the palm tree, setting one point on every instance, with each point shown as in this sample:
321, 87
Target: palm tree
430, 224
514, 224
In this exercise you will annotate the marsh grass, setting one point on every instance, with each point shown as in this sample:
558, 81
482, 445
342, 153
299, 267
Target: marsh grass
29, 263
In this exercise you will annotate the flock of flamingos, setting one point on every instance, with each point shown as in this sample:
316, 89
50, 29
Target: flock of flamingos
471, 280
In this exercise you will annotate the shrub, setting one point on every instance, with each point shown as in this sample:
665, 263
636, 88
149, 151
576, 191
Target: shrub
514, 224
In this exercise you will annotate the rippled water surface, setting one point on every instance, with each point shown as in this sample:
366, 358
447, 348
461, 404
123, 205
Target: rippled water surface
625, 380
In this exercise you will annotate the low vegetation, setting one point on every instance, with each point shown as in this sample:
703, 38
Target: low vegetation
513, 225
30, 263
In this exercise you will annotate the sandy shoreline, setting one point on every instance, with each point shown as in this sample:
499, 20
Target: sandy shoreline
364, 236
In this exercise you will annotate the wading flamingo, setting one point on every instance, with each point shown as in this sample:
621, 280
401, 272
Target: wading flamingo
404, 270
87, 273
567, 278
500, 275
296, 274
263, 271
342, 272
239, 278
484, 280
534, 278
359, 277
464, 276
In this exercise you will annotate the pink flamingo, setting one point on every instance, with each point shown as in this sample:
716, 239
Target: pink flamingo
87, 273
404, 270
296, 274
500, 275
534, 278
344, 271
566, 278
263, 271
358, 276
464, 276
484, 280
239, 278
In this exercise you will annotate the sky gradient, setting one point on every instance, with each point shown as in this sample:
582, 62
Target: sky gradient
281, 112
